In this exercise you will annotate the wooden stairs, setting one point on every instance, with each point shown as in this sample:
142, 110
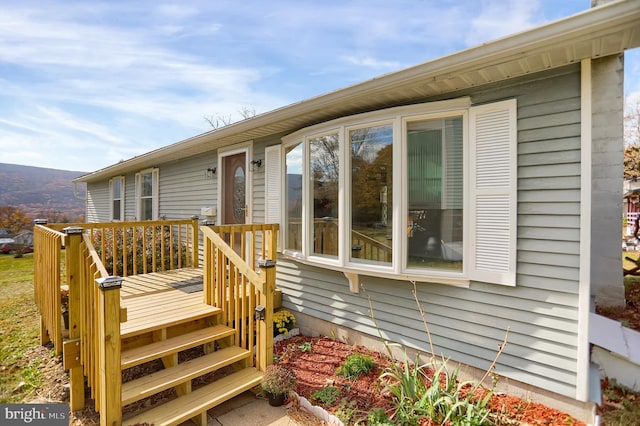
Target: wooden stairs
162, 327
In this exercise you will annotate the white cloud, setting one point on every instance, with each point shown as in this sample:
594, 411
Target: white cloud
497, 18
110, 80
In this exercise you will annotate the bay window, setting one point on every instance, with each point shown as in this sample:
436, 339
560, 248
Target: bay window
423, 192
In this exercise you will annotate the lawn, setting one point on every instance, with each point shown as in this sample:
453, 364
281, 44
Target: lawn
20, 328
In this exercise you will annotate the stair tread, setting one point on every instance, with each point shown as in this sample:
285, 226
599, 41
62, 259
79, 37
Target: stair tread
187, 406
172, 345
153, 383
159, 319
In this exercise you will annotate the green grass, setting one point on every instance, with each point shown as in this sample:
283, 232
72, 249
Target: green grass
627, 402
20, 328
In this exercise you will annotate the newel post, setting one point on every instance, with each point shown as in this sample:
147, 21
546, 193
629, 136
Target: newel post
109, 372
73, 262
265, 338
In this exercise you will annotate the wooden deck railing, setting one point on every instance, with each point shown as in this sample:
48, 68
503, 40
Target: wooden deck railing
325, 241
231, 254
365, 247
132, 248
92, 350
47, 255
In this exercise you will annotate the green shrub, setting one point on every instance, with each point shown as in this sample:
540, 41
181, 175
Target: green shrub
355, 365
147, 254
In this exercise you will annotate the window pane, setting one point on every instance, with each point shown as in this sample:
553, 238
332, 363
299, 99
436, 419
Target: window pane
147, 185
325, 167
146, 208
435, 183
293, 194
116, 188
116, 210
371, 193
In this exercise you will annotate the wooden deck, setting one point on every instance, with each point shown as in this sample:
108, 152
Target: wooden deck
159, 299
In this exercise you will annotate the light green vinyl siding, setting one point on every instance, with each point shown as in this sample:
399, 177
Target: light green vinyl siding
467, 324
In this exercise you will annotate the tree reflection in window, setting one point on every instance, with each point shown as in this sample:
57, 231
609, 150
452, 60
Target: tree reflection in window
325, 170
293, 196
371, 193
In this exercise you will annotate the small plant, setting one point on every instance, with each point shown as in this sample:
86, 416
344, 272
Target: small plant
355, 365
378, 417
346, 412
283, 321
305, 347
327, 395
279, 379
438, 398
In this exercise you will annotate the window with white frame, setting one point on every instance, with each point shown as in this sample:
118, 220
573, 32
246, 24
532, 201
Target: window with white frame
116, 194
425, 191
147, 194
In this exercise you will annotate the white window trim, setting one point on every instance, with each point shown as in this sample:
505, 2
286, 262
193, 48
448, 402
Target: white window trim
112, 199
155, 192
400, 116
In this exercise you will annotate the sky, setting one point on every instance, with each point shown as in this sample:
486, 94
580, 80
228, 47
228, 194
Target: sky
86, 84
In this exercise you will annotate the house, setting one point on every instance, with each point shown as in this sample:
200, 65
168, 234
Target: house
490, 179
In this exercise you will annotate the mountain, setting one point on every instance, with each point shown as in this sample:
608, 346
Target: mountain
41, 192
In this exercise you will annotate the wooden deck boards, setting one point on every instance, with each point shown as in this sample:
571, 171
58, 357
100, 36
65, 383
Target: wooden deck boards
189, 280
156, 300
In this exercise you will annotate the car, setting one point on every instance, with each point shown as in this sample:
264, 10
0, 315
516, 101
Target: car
7, 248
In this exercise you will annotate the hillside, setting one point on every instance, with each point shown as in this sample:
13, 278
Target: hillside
40, 192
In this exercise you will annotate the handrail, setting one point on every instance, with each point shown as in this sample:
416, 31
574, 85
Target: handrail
369, 245
234, 258
231, 284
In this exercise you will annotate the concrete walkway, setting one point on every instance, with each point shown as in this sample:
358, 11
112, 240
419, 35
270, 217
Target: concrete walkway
248, 409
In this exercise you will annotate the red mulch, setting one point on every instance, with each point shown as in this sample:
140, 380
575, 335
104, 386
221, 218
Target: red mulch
316, 369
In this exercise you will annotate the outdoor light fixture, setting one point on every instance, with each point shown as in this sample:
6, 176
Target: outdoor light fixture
211, 171
109, 282
256, 164
259, 315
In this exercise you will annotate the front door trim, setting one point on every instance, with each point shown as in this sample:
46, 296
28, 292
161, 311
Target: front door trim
247, 149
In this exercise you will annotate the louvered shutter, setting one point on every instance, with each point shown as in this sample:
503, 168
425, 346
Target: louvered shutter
493, 191
273, 187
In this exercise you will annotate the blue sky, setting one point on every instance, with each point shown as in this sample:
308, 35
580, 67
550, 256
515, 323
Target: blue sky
85, 84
